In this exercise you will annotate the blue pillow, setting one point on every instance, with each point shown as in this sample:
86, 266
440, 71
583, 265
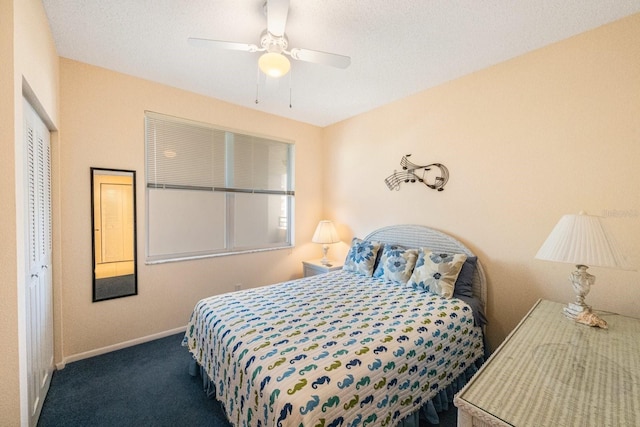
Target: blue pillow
362, 256
396, 263
464, 282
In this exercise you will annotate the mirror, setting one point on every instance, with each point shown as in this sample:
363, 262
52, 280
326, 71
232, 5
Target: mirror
113, 220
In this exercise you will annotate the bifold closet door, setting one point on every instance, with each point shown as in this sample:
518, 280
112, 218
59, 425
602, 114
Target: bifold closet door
39, 287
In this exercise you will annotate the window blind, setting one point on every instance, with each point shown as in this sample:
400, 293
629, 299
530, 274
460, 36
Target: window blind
189, 155
214, 191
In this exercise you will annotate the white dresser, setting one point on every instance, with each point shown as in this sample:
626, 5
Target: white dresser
552, 371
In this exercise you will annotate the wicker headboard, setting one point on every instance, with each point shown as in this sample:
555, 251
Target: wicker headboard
416, 236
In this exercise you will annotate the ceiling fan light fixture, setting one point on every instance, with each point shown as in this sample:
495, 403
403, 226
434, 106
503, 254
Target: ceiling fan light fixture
274, 64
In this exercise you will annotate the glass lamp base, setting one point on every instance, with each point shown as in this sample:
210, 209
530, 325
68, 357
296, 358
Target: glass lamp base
325, 260
572, 310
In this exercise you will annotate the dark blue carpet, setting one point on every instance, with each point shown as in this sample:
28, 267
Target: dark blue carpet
143, 385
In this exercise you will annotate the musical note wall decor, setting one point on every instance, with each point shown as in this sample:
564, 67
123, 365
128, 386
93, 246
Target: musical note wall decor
411, 173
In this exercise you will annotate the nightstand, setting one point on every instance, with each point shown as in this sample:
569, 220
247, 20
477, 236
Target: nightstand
313, 267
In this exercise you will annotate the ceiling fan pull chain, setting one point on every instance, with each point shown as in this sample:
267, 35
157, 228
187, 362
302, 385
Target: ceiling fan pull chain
257, 85
290, 88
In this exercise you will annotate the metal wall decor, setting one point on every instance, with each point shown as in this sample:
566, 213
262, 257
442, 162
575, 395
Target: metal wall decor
411, 173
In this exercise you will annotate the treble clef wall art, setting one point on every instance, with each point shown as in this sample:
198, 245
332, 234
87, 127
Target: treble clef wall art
415, 173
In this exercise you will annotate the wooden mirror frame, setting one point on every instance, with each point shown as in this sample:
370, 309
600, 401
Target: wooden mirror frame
116, 277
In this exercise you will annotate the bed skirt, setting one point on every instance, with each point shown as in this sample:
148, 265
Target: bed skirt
429, 411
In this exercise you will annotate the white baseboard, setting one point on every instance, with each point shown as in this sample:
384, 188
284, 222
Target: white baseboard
119, 346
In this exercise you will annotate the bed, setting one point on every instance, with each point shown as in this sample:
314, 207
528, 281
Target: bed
367, 345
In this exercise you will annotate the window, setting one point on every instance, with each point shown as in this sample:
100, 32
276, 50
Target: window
212, 191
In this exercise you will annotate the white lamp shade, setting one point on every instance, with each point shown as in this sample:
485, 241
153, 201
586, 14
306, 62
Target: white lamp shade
582, 239
274, 64
325, 233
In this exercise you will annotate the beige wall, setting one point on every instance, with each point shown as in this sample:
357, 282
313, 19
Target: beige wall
552, 132
30, 64
10, 381
103, 120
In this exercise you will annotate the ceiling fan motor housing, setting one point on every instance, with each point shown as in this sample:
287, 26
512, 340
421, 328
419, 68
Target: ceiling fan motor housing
275, 44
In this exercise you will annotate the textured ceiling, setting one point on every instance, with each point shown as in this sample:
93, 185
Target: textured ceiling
397, 48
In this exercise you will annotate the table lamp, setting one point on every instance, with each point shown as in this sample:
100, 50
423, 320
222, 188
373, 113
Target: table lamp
582, 240
325, 234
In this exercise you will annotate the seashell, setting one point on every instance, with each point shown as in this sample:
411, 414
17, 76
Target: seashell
591, 319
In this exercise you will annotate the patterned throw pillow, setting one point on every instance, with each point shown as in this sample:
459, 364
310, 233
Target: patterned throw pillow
437, 273
396, 263
362, 256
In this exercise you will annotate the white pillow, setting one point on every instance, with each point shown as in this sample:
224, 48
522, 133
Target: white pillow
437, 273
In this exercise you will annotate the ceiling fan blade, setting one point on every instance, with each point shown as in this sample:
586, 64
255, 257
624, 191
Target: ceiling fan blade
277, 11
318, 57
220, 44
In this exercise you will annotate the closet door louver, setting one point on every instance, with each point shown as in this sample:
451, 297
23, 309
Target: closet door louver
38, 292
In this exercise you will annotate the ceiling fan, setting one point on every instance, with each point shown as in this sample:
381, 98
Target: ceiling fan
275, 44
